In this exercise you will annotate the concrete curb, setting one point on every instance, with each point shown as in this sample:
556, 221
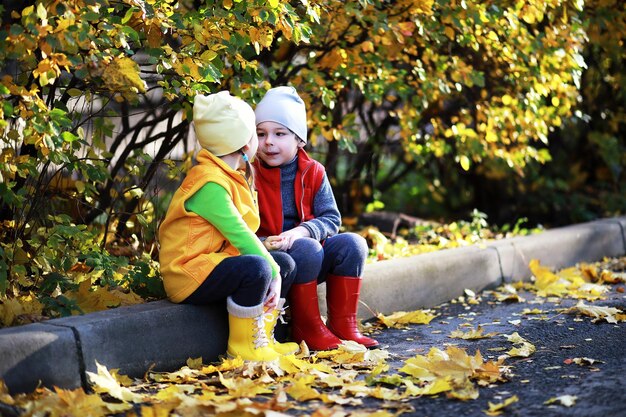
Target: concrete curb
163, 335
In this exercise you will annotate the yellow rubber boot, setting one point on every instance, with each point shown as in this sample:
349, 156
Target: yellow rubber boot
246, 333
270, 324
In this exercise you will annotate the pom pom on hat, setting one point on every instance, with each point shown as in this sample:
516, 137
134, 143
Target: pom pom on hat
223, 123
283, 105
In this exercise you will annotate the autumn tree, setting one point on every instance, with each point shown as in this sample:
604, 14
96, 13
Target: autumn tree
432, 107
96, 95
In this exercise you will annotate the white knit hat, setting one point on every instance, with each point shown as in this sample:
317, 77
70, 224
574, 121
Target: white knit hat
283, 105
223, 123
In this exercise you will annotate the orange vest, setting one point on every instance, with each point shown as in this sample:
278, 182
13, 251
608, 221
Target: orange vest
191, 247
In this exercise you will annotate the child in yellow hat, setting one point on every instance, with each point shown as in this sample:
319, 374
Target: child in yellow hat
209, 251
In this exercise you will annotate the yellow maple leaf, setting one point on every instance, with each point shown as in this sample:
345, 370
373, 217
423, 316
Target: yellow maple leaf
357, 389
452, 367
353, 352
597, 312
508, 293
464, 390
478, 333
301, 390
418, 367
435, 387
195, 363
292, 365
533, 311
611, 278
225, 365
103, 381
525, 348
386, 394
174, 393
78, 403
497, 408
243, 387
546, 282
124, 380
402, 318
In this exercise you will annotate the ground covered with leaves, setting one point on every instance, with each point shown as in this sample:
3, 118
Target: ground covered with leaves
553, 346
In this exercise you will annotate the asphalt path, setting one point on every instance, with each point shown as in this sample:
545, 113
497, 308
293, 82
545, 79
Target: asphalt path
598, 384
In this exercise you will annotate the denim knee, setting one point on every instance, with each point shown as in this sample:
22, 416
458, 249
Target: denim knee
344, 254
308, 255
255, 274
353, 245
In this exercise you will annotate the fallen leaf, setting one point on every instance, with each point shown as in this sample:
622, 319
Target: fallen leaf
565, 400
581, 361
525, 348
402, 318
477, 333
103, 381
597, 312
497, 408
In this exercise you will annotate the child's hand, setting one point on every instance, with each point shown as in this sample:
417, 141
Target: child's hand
273, 294
292, 235
272, 242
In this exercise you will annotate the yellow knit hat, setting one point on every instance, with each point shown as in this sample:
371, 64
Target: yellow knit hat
223, 123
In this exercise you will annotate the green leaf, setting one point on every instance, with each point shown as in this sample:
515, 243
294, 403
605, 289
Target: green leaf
128, 15
74, 92
69, 137
213, 72
16, 30
131, 33
91, 16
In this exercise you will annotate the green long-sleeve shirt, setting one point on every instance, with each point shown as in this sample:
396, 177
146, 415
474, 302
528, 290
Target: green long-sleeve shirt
212, 203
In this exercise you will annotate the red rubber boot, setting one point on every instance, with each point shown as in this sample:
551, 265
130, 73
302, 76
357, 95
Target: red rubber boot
342, 298
306, 323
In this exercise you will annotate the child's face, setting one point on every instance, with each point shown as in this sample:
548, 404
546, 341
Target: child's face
277, 144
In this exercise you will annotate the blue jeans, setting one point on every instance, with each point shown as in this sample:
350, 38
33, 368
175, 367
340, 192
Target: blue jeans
343, 254
245, 278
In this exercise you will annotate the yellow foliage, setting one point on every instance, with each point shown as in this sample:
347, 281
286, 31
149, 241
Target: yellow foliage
22, 309
572, 282
101, 298
121, 75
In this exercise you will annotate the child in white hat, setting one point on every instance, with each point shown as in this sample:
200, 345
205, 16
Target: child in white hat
300, 219
209, 251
